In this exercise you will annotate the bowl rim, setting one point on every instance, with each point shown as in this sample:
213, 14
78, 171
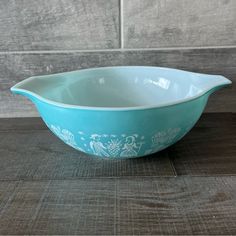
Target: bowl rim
15, 89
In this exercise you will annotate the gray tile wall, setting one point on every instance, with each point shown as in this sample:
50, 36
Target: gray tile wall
179, 23
49, 36
59, 24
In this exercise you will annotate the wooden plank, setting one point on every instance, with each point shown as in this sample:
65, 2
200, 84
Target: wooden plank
22, 124
56, 25
16, 67
84, 206
209, 149
174, 23
122, 206
28, 150
7, 190
217, 120
177, 206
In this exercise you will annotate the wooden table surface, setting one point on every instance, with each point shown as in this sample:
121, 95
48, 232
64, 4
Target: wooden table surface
46, 187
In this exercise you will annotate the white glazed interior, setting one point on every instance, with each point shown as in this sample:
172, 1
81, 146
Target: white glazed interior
119, 87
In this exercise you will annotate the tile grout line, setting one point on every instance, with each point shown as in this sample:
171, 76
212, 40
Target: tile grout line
115, 50
121, 25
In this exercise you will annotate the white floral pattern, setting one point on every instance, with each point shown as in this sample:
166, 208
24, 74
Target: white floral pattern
163, 137
113, 145
65, 135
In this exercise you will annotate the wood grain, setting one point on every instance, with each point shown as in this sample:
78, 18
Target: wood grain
22, 124
174, 23
16, 67
209, 149
136, 206
54, 24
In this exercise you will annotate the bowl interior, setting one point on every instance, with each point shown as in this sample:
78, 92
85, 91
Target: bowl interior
117, 86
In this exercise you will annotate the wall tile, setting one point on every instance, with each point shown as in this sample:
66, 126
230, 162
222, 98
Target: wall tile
174, 23
56, 25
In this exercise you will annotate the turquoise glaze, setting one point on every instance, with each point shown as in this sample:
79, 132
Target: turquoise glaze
120, 112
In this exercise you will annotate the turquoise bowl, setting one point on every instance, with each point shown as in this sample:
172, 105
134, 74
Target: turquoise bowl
120, 112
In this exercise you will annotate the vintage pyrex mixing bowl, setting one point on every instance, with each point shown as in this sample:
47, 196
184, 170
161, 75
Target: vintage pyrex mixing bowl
120, 112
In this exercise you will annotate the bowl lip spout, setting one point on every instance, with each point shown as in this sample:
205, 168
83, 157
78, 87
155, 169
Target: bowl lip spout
221, 81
